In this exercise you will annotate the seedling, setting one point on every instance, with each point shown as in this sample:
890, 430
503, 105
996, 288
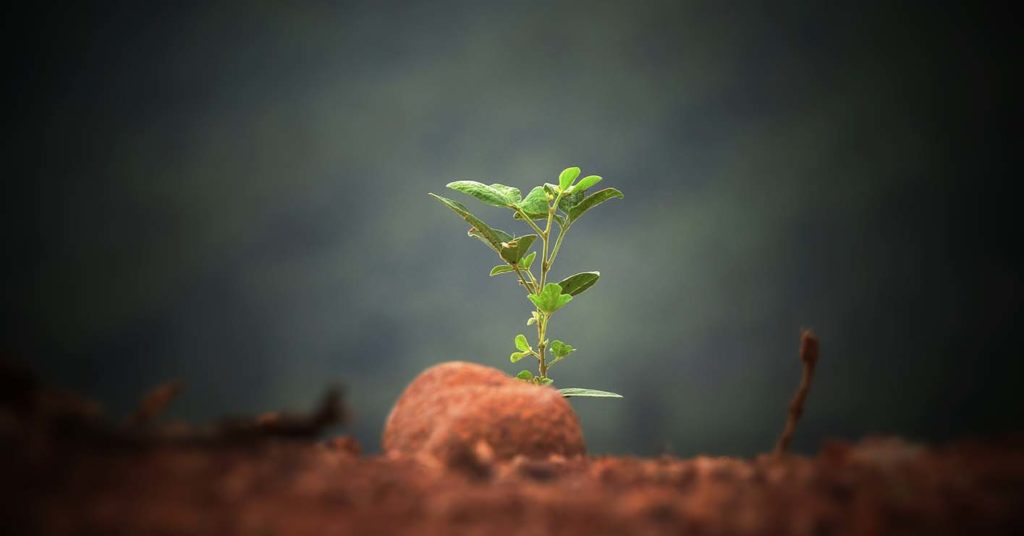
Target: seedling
563, 204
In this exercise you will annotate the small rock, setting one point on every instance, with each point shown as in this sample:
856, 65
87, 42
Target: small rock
449, 408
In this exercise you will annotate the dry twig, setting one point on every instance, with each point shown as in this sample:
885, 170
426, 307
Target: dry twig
330, 412
809, 357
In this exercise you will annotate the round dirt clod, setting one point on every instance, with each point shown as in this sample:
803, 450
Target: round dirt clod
456, 405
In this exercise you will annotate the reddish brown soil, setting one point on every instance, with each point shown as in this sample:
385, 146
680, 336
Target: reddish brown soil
65, 471
457, 406
292, 487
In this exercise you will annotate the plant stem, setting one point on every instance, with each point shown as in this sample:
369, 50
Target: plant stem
532, 279
529, 221
558, 243
545, 263
542, 327
527, 284
545, 266
543, 259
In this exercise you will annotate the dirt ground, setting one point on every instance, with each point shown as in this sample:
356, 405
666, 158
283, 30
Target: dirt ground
64, 470
294, 487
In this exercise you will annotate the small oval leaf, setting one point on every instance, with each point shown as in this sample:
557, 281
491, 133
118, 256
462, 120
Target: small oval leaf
566, 177
586, 182
481, 230
560, 349
575, 284
514, 249
501, 269
592, 201
522, 344
569, 392
481, 191
528, 260
525, 375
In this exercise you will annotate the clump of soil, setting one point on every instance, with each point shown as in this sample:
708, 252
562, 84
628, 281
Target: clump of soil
66, 471
456, 409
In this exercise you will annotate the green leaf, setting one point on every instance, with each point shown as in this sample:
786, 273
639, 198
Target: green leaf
521, 344
511, 194
533, 318
592, 201
491, 237
483, 192
516, 356
586, 182
501, 269
524, 245
546, 381
501, 235
535, 204
575, 284
568, 392
550, 298
560, 349
570, 200
513, 250
527, 261
566, 177
525, 375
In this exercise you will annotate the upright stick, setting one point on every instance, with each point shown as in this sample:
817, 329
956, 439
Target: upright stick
809, 357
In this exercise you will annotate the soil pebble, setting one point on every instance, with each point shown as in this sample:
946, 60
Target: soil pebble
454, 407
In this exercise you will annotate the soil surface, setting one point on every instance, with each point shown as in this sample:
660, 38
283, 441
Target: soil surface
265, 487
64, 470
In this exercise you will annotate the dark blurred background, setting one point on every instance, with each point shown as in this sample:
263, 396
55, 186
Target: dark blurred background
235, 194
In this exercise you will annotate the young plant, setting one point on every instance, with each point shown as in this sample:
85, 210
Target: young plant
562, 204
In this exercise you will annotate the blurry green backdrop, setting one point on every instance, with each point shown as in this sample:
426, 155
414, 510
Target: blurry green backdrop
236, 195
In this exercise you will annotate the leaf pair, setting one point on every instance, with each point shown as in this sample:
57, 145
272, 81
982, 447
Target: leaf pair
568, 175
524, 348
526, 375
523, 264
535, 204
572, 205
509, 248
560, 351
550, 298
